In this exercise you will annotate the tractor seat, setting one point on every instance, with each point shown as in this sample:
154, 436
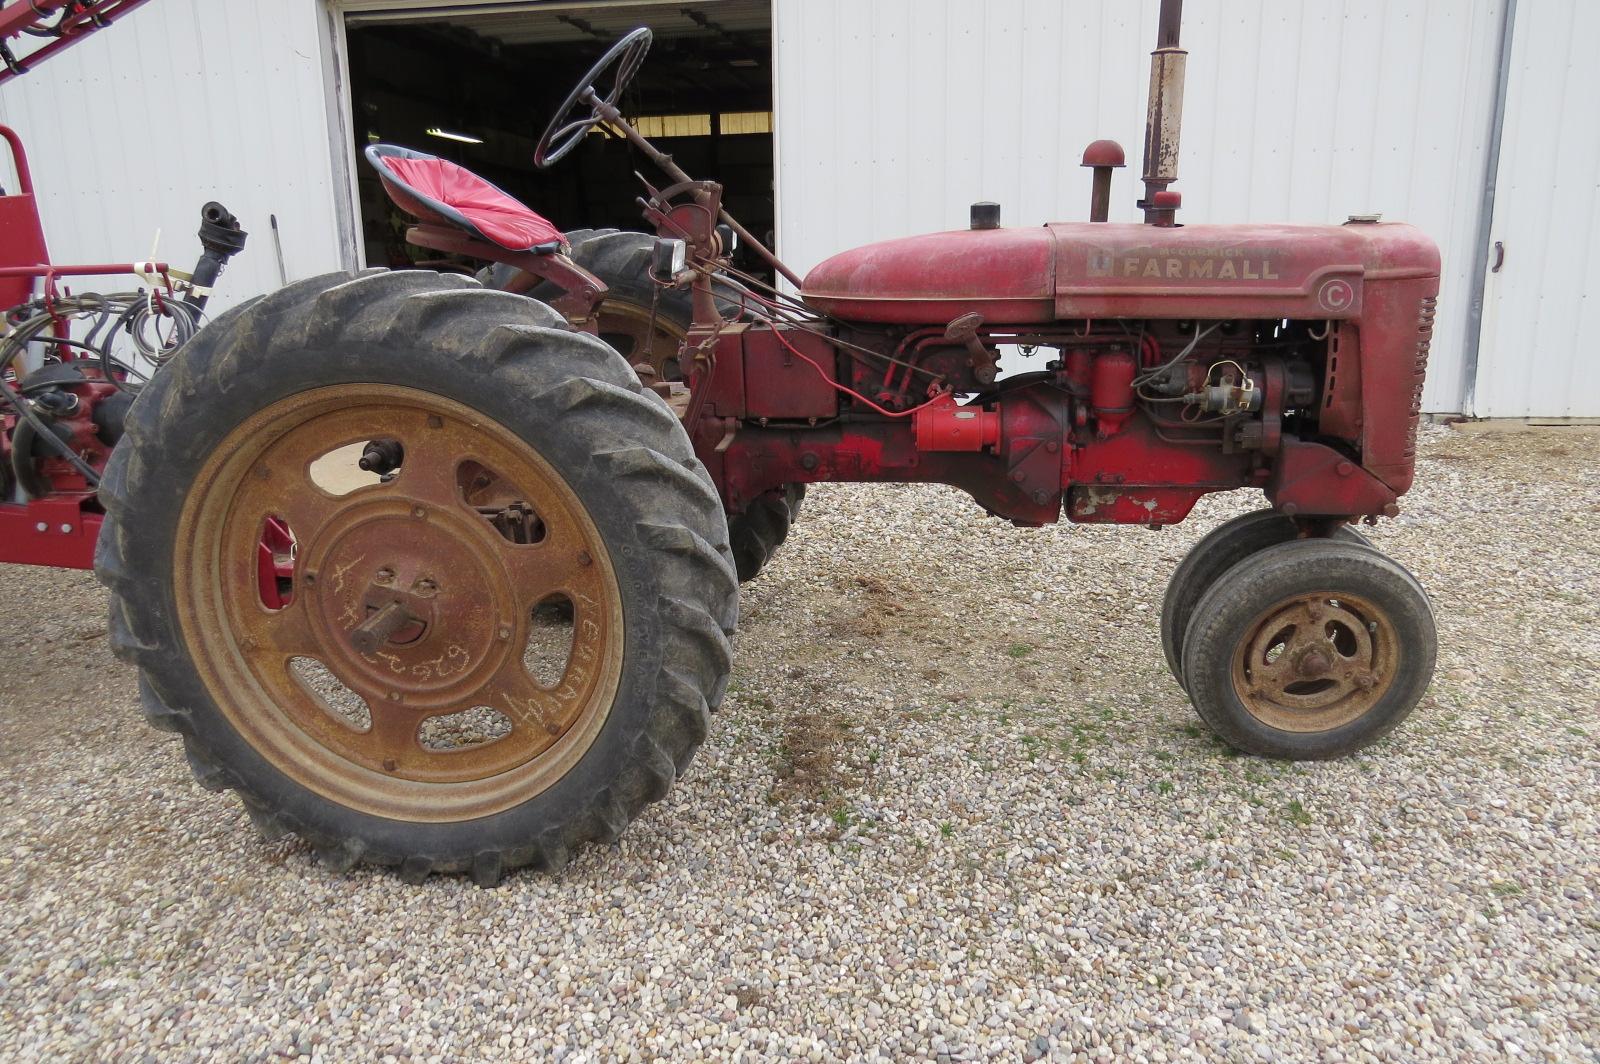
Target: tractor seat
435, 190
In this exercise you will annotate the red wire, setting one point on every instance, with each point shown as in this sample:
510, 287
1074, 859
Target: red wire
793, 350
1152, 350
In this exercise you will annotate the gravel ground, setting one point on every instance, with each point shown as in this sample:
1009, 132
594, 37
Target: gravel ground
954, 806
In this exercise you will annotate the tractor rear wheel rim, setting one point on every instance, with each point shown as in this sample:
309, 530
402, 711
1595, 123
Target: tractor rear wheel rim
627, 328
418, 594
1315, 662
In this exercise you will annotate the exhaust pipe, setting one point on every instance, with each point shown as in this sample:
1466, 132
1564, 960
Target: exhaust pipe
1164, 117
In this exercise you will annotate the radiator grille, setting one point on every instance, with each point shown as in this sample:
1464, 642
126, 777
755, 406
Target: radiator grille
1426, 309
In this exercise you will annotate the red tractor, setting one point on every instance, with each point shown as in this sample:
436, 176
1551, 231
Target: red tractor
516, 524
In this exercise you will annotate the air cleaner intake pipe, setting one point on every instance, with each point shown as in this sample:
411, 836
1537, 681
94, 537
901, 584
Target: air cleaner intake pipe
1164, 118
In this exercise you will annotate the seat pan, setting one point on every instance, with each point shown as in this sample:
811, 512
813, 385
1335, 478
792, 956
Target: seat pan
437, 190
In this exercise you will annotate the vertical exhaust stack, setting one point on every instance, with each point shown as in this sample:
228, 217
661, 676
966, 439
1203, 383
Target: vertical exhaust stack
1165, 116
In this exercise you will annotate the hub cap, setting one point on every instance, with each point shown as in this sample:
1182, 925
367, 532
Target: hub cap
1315, 662
417, 595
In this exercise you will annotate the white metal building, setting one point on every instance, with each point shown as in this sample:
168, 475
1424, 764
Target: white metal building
1474, 120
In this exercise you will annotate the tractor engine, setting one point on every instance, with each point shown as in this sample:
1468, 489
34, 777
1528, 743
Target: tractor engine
1172, 361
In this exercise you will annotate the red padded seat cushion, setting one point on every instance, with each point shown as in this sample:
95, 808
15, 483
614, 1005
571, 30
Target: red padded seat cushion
495, 215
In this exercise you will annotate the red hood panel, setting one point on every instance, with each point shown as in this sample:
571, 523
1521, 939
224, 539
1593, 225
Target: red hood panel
1097, 270
1003, 274
1231, 271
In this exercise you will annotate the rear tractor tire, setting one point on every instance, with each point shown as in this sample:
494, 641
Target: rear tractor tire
1309, 650
500, 650
647, 323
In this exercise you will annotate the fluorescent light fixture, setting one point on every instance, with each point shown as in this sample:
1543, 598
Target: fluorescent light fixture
450, 134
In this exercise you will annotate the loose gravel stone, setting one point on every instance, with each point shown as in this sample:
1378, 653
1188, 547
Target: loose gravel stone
954, 808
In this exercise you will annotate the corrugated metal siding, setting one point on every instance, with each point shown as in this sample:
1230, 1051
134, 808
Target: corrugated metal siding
1542, 310
181, 102
894, 115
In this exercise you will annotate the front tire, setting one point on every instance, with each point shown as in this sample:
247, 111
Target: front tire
1218, 551
1309, 650
535, 470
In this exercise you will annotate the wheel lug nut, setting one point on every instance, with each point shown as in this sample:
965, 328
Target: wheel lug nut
505, 631
385, 575
394, 696
417, 511
584, 559
388, 764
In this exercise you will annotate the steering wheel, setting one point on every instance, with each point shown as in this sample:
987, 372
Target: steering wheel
564, 132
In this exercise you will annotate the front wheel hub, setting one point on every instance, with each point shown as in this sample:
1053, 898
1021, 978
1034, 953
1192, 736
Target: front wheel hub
1315, 661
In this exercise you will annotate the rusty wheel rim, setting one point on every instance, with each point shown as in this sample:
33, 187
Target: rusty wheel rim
627, 328
1315, 662
414, 594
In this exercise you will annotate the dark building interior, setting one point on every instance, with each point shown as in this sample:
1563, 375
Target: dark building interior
704, 95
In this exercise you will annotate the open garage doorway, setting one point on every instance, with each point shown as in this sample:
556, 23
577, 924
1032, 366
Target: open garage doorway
477, 84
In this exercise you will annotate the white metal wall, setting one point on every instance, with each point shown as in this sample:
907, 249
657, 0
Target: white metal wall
1542, 308
894, 115
180, 102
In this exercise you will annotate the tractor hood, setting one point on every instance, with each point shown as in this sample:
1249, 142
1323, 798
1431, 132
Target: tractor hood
1101, 270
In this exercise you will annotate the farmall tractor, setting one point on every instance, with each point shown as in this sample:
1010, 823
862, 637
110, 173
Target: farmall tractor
514, 526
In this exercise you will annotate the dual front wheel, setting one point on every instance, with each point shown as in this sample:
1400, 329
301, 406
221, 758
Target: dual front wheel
1302, 649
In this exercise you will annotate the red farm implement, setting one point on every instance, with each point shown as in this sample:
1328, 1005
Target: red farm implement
71, 361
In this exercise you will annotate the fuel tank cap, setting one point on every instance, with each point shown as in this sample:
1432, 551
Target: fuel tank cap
986, 215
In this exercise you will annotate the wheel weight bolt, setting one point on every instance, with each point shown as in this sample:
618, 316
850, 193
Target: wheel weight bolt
388, 764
